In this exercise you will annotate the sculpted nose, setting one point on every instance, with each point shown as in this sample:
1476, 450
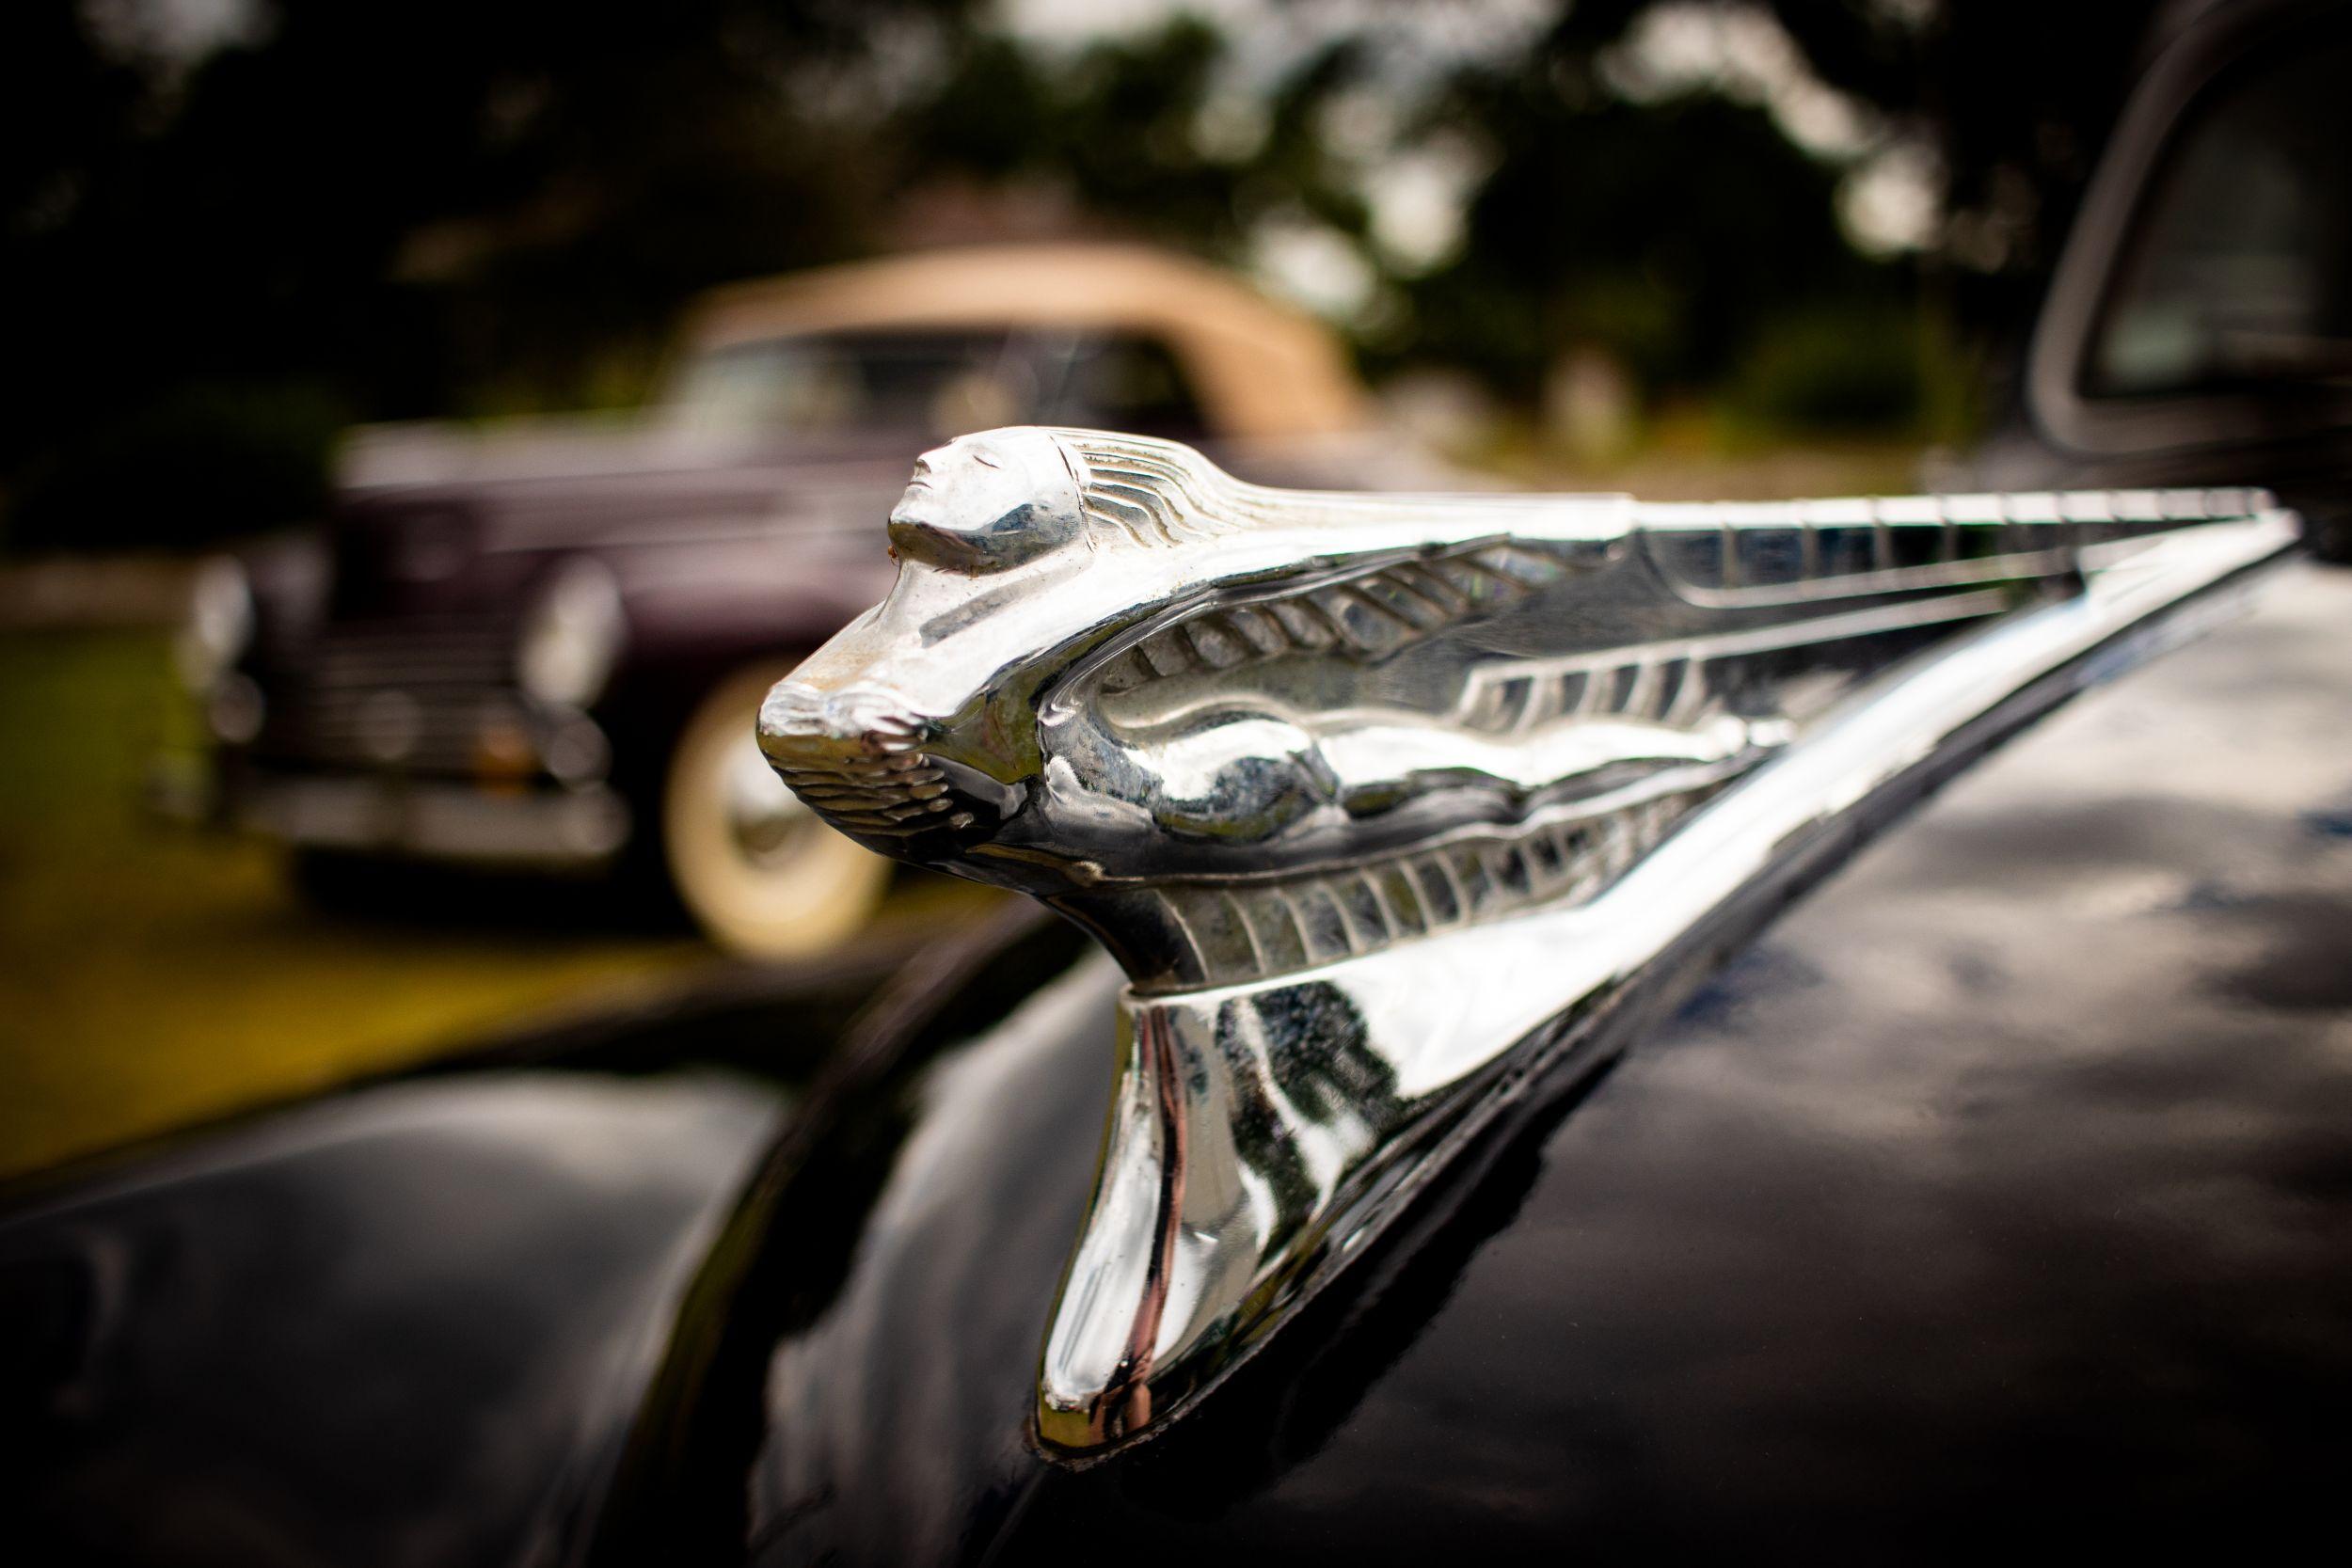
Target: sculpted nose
805, 727
853, 755
791, 719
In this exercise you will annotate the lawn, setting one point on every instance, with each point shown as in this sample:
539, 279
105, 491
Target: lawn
152, 975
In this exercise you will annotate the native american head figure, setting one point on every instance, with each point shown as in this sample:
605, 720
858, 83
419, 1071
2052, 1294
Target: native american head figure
1106, 660
1107, 670
1019, 552
983, 503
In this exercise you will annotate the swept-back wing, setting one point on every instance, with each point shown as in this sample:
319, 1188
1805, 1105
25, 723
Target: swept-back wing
1383, 800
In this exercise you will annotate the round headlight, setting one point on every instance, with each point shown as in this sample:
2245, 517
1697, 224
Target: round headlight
572, 636
218, 626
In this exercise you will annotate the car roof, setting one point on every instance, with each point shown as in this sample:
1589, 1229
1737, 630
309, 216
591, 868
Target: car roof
1259, 368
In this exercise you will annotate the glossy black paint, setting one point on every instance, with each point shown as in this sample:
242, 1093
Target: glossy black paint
1997, 1196
409, 1329
409, 1323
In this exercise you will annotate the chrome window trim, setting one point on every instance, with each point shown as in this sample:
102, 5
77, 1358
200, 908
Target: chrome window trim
2084, 278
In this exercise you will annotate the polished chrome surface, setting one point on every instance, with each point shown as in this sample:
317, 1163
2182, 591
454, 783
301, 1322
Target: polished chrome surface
1373, 796
765, 820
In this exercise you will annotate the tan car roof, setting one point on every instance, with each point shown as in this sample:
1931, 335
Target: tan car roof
1259, 368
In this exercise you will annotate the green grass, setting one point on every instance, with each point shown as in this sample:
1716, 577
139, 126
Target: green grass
151, 976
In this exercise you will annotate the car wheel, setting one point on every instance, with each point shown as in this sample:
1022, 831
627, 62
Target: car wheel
756, 869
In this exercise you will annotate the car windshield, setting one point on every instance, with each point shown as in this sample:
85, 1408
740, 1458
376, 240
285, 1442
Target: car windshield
934, 383
2239, 270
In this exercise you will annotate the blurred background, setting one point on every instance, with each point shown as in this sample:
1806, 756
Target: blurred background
405, 494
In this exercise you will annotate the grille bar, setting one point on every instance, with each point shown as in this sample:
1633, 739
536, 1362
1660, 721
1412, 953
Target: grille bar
417, 695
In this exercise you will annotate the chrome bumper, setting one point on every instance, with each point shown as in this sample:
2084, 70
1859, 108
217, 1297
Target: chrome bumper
582, 826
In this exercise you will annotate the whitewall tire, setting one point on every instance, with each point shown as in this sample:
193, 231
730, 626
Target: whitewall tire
756, 869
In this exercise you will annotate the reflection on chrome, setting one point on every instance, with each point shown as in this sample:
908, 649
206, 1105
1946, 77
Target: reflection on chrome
1377, 799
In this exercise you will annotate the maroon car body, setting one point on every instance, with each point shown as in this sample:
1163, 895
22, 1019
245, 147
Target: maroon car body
499, 646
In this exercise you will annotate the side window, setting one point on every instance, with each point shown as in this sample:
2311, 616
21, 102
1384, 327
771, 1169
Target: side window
1129, 382
934, 384
2238, 268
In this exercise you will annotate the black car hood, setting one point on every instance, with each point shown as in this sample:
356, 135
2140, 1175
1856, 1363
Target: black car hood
586, 483
749, 528
406, 1326
587, 452
1995, 1194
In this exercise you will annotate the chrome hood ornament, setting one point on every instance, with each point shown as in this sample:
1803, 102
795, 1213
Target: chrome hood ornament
1377, 799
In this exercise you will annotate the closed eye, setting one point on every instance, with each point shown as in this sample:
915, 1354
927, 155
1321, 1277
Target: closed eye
983, 457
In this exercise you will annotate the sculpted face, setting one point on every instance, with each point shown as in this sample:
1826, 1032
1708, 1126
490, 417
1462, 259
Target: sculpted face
994, 536
985, 503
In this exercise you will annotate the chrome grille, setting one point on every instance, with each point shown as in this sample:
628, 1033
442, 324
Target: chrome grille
412, 694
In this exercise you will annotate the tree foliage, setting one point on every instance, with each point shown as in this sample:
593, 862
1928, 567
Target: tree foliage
363, 209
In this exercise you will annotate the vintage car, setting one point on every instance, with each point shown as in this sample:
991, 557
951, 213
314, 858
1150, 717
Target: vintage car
541, 643
1807, 1032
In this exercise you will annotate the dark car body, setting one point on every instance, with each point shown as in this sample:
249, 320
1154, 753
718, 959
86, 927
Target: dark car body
1992, 1199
